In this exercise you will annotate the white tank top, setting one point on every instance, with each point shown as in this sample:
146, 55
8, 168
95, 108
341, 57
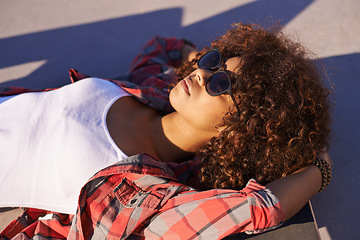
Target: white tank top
52, 142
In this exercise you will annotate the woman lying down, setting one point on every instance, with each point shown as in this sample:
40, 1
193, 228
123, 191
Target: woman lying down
190, 144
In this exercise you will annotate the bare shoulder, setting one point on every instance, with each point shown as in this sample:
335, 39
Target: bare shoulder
128, 121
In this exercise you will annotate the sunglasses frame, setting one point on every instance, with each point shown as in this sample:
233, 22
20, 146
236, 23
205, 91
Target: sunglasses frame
218, 70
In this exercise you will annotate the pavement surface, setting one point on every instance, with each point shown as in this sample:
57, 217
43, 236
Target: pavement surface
40, 40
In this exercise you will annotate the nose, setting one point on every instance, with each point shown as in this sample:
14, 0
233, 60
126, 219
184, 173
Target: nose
202, 75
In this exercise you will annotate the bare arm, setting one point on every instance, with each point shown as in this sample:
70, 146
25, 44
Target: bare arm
295, 190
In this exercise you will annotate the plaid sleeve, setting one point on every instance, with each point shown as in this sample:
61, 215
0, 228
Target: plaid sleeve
38, 224
9, 91
215, 214
154, 65
156, 57
265, 210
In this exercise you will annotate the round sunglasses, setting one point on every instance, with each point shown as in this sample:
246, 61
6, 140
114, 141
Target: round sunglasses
219, 82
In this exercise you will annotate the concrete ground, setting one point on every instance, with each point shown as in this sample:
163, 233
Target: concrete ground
40, 40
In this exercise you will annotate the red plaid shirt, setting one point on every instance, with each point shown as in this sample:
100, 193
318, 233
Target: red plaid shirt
141, 197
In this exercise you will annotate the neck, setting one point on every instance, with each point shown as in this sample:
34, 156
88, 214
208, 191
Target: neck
137, 128
183, 134
176, 140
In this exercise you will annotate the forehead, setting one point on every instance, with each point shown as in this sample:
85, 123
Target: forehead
232, 64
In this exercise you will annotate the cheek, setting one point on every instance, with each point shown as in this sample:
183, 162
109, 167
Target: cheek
209, 114
202, 110
213, 114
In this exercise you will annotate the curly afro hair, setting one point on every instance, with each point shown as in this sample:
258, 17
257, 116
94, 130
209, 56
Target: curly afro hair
284, 118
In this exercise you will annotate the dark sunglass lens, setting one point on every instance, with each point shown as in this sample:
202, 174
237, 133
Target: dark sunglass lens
218, 84
210, 60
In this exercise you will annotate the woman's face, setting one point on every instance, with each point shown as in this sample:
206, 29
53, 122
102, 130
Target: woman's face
190, 99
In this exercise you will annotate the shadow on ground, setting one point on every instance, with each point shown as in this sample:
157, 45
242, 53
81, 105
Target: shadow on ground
106, 48
336, 207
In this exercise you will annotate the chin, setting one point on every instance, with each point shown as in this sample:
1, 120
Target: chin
174, 99
171, 98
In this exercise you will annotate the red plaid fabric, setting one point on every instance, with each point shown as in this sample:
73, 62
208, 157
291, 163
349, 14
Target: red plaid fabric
38, 223
143, 198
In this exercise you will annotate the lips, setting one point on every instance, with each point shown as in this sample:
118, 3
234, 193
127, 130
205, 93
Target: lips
185, 83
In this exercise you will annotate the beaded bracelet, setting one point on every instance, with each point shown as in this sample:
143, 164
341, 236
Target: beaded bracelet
325, 169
